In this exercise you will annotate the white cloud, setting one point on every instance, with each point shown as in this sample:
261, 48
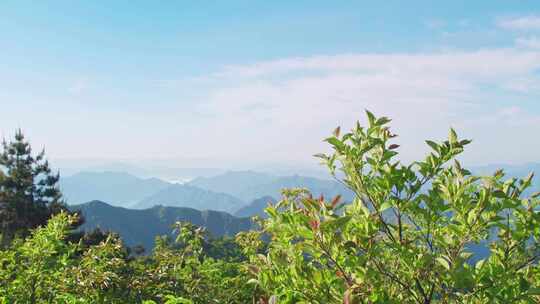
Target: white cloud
522, 23
282, 109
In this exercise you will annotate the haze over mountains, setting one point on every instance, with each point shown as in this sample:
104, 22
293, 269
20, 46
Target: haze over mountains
236, 183
120, 188
185, 195
249, 185
229, 191
141, 208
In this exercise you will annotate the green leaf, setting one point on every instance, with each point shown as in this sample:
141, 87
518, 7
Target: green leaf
466, 255
336, 143
443, 262
452, 137
433, 145
479, 264
321, 156
382, 121
465, 142
524, 284
527, 181
371, 118
499, 194
335, 223
385, 206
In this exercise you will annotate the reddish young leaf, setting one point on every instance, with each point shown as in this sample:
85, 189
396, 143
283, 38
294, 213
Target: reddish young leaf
335, 201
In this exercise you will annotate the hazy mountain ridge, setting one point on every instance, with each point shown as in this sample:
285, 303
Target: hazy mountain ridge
142, 226
225, 192
256, 207
178, 195
250, 185
121, 188
230, 191
165, 169
317, 187
234, 182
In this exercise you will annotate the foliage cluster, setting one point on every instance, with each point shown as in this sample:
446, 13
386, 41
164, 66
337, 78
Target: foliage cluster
29, 192
45, 268
409, 234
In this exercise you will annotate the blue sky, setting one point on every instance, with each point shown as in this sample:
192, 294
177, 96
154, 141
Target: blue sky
235, 81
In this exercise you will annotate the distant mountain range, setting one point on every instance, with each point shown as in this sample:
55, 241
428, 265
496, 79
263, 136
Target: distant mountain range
178, 195
232, 191
161, 203
121, 188
145, 169
142, 226
249, 185
235, 183
228, 192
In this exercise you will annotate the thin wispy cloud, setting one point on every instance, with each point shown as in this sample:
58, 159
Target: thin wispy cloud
523, 23
424, 93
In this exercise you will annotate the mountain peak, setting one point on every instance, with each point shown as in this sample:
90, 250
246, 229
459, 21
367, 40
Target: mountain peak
96, 203
186, 195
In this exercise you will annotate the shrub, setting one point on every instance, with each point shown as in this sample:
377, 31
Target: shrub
408, 235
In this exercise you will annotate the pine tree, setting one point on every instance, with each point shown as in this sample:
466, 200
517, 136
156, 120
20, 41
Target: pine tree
29, 192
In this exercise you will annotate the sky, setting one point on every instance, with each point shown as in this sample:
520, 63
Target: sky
215, 83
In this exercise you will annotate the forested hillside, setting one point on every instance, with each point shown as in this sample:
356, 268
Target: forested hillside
140, 227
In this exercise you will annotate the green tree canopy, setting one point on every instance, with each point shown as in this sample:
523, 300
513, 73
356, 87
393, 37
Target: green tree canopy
29, 192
